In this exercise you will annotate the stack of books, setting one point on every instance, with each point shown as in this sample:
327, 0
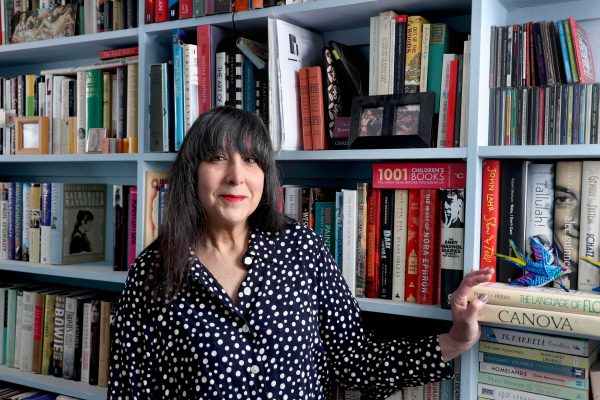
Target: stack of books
530, 366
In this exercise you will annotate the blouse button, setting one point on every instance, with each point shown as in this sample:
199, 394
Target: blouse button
247, 260
254, 370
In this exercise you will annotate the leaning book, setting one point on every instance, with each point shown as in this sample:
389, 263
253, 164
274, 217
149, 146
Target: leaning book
78, 216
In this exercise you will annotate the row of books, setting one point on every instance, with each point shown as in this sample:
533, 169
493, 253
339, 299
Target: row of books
560, 114
552, 202
539, 54
75, 339
169, 10
529, 366
24, 21
89, 109
14, 392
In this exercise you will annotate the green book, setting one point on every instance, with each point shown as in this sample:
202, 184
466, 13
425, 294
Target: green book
572, 63
438, 46
93, 95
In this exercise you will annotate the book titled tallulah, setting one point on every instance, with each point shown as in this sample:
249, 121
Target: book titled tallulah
78, 218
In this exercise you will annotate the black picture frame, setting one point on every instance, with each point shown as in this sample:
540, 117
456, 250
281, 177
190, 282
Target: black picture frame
392, 121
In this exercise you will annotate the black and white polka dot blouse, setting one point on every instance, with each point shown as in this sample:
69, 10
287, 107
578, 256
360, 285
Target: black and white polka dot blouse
294, 332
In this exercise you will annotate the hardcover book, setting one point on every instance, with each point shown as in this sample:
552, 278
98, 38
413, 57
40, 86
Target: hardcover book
420, 176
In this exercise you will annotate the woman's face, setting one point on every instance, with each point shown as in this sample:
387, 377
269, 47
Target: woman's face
230, 187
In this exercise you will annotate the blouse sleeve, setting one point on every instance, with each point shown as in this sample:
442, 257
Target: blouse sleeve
131, 366
360, 362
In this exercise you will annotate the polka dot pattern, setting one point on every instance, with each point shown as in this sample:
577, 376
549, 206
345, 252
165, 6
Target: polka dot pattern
295, 331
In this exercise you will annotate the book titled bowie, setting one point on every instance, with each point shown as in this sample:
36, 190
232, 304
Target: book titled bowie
445, 175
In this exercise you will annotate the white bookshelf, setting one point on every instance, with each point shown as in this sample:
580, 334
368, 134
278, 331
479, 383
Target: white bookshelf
344, 20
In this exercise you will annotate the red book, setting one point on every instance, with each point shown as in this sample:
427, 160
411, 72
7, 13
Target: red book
583, 53
444, 175
490, 209
186, 9
305, 109
240, 5
412, 246
450, 115
161, 8
373, 243
208, 38
427, 271
118, 53
317, 112
150, 10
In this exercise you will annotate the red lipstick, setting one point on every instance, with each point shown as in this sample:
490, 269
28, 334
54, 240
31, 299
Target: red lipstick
232, 198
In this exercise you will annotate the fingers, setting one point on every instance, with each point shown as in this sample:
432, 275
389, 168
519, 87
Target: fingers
473, 278
475, 306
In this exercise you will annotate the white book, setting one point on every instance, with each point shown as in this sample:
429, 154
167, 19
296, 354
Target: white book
290, 48
589, 226
81, 111
132, 99
539, 206
292, 206
386, 21
499, 393
400, 237
18, 324
56, 114
424, 57
86, 342
464, 107
441, 131
220, 80
373, 55
414, 393
190, 85
26, 333
350, 232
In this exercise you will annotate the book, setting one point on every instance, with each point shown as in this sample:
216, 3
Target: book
399, 262
539, 205
588, 275
161, 113
531, 375
414, 34
447, 175
451, 244
490, 213
438, 46
154, 180
555, 321
583, 53
428, 252
349, 226
255, 51
412, 246
534, 387
78, 218
305, 116
576, 372
559, 344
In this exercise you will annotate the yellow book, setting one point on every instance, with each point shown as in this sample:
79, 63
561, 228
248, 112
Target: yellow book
414, 44
48, 333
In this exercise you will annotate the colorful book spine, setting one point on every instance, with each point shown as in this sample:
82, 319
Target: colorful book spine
447, 175
538, 354
11, 223
305, 109
490, 210
534, 387
19, 221
452, 243
493, 392
317, 112
339, 228
531, 375
48, 333
414, 35
550, 368
386, 241
350, 230
132, 228
178, 90
412, 246
373, 258
93, 79
400, 237
428, 239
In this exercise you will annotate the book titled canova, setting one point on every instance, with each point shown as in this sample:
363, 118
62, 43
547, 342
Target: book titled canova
78, 217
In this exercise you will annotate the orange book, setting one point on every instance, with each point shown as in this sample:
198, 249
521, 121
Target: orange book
427, 270
305, 109
240, 5
373, 243
317, 111
412, 246
490, 208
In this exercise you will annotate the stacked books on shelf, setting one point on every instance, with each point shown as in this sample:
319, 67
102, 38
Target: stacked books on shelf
30, 21
522, 365
73, 325
554, 202
400, 239
90, 109
542, 84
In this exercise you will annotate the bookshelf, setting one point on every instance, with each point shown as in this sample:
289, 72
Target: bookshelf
344, 20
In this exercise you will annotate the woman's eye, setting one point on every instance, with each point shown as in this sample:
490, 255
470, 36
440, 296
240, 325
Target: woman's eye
218, 157
251, 160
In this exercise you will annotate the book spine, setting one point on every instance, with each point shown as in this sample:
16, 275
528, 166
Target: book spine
190, 85
589, 245
204, 72
490, 209
18, 329
104, 343
425, 57
317, 113
220, 78
560, 344
452, 98
178, 89
414, 35
38, 326
452, 242
339, 233
56, 231
540, 319
552, 357
539, 205
373, 258
385, 52
534, 387
19, 221
400, 238
26, 333
412, 246
386, 244
69, 338
48, 339
550, 368
305, 108
427, 272
361, 240
94, 91
500, 393
186, 9
45, 223
374, 55
132, 228
350, 229
400, 58
11, 220
3, 324
132, 108
11, 321
59, 337
536, 376
85, 342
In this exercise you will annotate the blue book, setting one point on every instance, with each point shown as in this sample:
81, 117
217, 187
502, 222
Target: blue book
249, 86
564, 51
339, 228
178, 89
534, 365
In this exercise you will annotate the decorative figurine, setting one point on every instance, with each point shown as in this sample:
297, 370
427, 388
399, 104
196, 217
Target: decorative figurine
539, 272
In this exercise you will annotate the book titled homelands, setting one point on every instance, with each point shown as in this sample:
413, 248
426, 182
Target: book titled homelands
78, 218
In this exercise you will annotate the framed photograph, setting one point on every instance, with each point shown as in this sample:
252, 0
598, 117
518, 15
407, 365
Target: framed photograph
94, 139
392, 121
32, 135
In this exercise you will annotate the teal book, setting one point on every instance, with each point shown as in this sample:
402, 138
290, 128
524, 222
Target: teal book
93, 95
325, 223
438, 46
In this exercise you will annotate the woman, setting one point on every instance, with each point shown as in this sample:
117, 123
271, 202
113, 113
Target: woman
233, 302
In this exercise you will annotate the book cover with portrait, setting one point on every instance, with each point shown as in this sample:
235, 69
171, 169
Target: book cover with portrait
78, 218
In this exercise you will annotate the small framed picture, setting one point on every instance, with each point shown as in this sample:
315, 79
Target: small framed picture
32, 135
94, 139
391, 121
